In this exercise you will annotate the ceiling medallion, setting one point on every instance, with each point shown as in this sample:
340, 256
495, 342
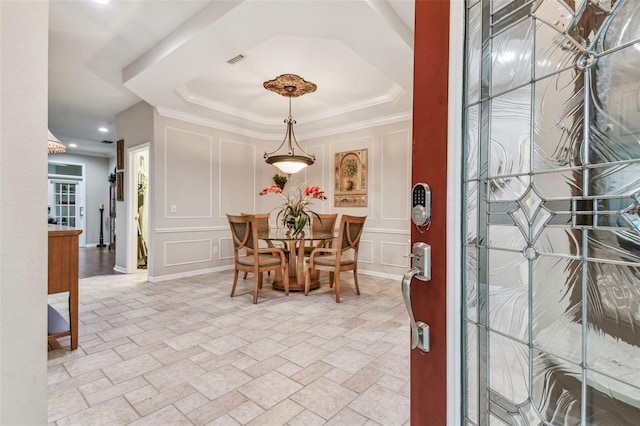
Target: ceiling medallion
291, 86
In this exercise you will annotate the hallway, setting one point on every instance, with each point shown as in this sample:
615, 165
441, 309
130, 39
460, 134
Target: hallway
184, 352
94, 261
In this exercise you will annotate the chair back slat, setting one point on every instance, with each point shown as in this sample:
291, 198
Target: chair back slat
324, 223
262, 223
350, 231
242, 231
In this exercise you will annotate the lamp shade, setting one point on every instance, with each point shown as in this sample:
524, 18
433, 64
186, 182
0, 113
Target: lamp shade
290, 164
54, 145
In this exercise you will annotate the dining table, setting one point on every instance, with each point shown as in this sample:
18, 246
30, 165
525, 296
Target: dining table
294, 247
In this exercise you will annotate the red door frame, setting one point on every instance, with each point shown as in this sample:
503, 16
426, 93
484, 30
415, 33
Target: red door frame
429, 164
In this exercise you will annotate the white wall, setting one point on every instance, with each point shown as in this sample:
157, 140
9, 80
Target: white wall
198, 174
23, 200
97, 192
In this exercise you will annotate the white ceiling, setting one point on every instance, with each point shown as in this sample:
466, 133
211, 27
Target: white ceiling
172, 54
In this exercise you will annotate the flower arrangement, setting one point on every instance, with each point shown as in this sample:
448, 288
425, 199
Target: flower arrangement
293, 212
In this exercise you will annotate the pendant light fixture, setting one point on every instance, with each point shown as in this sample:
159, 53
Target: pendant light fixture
54, 145
295, 158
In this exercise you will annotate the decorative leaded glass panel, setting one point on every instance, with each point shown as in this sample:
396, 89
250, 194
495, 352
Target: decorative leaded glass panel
552, 232
474, 51
511, 57
471, 142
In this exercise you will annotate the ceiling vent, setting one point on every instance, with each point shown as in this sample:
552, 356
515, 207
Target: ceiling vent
109, 142
235, 60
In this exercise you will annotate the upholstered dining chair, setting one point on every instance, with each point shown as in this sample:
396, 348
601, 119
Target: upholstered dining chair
250, 257
323, 223
262, 225
339, 258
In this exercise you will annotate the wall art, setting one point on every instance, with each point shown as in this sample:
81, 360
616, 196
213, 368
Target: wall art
351, 179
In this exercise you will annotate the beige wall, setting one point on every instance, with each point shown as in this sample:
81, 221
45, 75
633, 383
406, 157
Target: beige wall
199, 173
135, 126
24, 29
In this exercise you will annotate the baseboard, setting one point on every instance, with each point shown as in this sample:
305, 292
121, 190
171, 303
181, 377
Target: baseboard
188, 274
228, 267
380, 274
120, 269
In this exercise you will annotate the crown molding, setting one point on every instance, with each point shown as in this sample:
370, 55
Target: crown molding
195, 119
389, 96
330, 131
225, 108
365, 124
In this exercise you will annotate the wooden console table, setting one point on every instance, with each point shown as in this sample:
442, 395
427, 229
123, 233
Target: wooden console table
63, 277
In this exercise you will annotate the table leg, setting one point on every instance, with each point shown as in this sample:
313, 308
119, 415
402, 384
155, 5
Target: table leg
296, 269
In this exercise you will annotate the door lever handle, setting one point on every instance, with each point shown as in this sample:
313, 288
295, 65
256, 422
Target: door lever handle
419, 330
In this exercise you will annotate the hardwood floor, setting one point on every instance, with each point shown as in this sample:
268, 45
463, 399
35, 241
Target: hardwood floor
94, 261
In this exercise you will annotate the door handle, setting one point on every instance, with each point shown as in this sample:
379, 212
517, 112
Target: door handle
421, 262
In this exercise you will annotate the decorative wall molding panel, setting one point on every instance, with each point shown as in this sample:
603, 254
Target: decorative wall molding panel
182, 173
187, 252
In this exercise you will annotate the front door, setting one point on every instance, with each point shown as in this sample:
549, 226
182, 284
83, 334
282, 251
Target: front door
551, 226
429, 165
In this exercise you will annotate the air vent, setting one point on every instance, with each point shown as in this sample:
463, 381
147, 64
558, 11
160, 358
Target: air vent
107, 142
235, 59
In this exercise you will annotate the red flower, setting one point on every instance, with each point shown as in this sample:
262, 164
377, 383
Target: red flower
295, 204
273, 188
314, 192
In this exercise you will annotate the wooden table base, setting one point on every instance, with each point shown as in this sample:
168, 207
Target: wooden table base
294, 286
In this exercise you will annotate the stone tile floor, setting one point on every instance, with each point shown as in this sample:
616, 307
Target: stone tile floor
183, 352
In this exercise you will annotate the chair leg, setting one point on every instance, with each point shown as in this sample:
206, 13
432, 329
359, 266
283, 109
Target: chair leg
256, 285
337, 285
235, 282
331, 276
355, 280
307, 281
286, 281
246, 274
260, 280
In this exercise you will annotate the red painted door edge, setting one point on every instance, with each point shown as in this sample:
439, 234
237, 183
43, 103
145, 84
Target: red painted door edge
429, 165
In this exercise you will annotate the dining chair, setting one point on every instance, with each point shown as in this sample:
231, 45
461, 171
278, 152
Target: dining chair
342, 257
323, 223
262, 225
250, 257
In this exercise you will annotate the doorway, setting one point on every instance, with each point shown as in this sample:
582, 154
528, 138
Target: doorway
66, 195
139, 237
551, 287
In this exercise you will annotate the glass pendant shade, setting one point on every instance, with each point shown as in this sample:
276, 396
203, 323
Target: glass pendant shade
289, 164
54, 145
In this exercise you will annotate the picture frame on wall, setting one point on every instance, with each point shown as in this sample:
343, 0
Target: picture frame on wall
120, 186
120, 154
351, 178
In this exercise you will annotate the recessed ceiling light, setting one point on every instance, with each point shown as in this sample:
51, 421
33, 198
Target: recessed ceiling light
102, 1
72, 145
103, 129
